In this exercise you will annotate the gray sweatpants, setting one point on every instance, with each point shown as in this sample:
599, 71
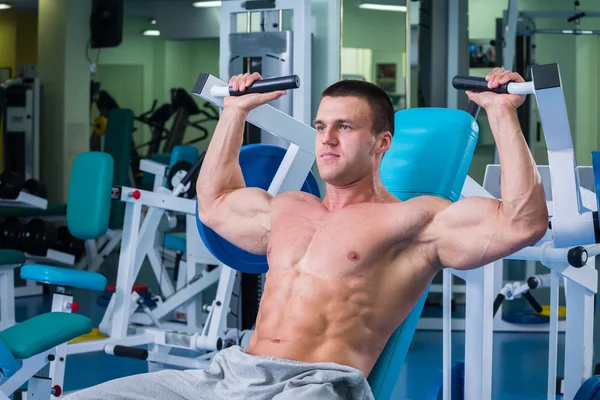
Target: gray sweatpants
235, 375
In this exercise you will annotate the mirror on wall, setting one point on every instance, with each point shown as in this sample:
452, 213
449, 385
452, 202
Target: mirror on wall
374, 45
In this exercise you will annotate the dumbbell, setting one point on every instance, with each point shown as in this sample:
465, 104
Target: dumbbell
10, 233
11, 184
66, 243
37, 237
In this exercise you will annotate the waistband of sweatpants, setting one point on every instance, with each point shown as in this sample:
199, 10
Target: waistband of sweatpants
237, 352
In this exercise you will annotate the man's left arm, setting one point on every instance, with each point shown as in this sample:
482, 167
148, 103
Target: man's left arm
475, 231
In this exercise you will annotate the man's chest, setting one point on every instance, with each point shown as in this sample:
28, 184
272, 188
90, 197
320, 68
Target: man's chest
344, 242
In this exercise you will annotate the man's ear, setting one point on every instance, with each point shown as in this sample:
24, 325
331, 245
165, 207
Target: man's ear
385, 141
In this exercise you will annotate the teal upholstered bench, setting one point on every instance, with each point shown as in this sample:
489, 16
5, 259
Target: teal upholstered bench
46, 331
11, 257
43, 332
175, 241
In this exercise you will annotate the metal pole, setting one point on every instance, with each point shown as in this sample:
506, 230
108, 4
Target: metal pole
452, 66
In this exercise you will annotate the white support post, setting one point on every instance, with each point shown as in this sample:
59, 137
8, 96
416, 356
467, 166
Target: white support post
553, 334
222, 302
453, 52
479, 332
303, 21
447, 334
60, 303
578, 337
126, 274
7, 293
510, 34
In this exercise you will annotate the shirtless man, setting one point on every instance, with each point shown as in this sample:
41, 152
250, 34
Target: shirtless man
344, 272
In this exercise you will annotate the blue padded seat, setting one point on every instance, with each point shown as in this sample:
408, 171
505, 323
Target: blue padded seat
11, 257
64, 277
175, 241
430, 155
42, 333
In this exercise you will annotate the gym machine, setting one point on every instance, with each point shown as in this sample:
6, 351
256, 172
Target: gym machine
273, 50
568, 249
185, 107
21, 127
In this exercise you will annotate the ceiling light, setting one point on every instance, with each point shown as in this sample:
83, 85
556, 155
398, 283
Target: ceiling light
4, 6
382, 7
206, 4
153, 21
151, 32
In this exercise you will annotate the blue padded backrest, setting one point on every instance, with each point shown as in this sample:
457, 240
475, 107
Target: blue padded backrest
430, 155
89, 199
184, 153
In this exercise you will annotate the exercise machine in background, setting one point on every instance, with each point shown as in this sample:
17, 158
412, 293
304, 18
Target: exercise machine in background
21, 127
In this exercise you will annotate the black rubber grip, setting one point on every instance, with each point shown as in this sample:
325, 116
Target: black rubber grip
476, 84
192, 171
130, 352
534, 303
270, 85
498, 302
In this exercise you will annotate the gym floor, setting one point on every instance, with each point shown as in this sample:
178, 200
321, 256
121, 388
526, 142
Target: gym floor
519, 366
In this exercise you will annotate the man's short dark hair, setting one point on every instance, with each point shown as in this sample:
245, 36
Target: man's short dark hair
382, 109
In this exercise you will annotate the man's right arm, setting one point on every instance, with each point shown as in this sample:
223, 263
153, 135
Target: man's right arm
239, 214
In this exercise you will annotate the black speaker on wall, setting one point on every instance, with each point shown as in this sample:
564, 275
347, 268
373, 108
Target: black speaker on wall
106, 23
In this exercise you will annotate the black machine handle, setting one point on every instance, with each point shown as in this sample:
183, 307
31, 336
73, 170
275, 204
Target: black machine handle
130, 352
270, 85
476, 84
534, 303
192, 171
498, 302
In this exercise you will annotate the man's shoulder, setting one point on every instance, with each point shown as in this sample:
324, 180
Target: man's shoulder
433, 204
295, 195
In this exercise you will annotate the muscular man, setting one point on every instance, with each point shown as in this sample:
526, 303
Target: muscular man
344, 272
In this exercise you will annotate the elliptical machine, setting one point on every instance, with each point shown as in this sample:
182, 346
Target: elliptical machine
185, 107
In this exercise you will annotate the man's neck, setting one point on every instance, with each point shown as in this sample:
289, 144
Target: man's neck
366, 190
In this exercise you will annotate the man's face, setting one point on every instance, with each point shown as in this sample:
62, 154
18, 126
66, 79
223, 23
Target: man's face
345, 143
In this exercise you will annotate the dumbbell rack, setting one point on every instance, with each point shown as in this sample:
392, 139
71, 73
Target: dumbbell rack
25, 200
52, 257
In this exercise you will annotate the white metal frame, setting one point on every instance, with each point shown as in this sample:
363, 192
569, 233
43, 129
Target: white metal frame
7, 301
61, 302
580, 283
302, 54
125, 326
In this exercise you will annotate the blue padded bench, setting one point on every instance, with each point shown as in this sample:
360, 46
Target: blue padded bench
431, 153
175, 241
11, 257
43, 332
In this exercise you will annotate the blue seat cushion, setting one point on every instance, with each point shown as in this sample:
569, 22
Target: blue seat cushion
64, 277
175, 241
43, 332
10, 257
